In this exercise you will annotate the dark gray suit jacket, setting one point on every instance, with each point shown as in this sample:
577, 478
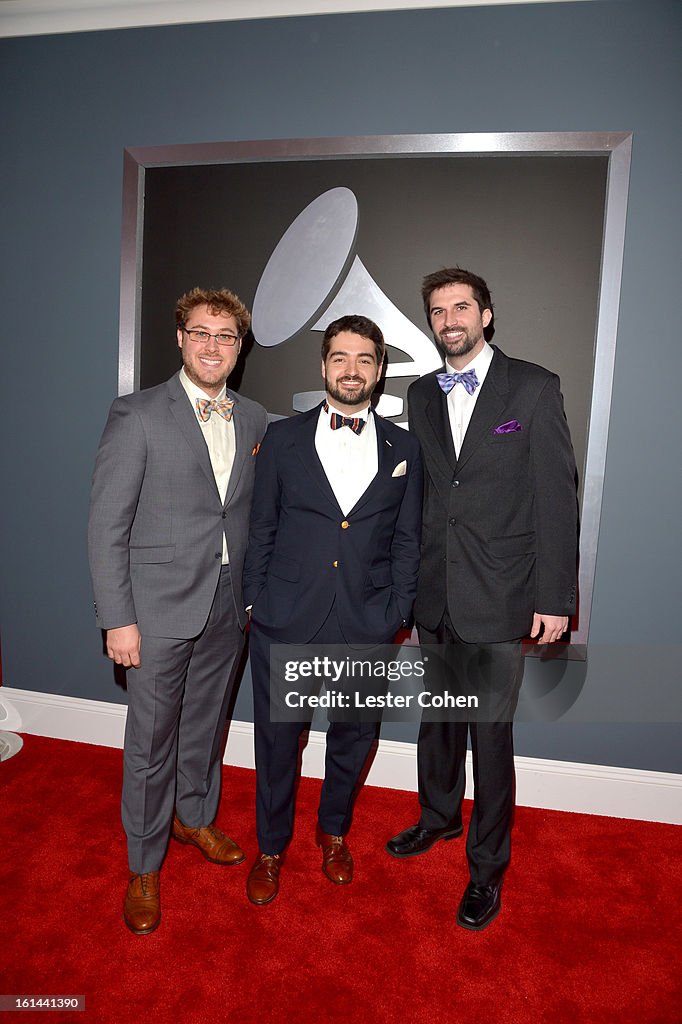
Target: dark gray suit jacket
500, 523
156, 518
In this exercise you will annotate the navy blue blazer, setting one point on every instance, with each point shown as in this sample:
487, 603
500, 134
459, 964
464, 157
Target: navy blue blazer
304, 553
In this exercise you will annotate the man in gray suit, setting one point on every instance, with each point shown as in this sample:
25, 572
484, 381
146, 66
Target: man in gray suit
169, 516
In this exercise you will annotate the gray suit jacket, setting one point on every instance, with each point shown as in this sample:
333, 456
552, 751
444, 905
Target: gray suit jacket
156, 524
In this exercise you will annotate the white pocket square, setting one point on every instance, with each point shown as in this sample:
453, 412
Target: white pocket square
400, 469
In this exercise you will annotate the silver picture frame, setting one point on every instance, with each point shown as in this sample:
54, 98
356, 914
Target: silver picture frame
614, 146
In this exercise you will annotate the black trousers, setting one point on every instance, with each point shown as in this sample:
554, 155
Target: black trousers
441, 759
276, 750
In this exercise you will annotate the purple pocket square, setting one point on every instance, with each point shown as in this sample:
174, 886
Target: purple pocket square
508, 428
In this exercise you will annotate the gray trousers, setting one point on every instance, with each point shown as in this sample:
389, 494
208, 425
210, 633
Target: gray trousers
177, 707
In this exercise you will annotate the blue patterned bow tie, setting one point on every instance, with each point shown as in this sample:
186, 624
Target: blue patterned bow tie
447, 381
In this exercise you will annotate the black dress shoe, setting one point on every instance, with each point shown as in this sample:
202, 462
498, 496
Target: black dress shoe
417, 839
479, 907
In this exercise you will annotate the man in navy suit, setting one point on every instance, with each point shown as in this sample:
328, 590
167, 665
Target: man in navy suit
332, 558
498, 563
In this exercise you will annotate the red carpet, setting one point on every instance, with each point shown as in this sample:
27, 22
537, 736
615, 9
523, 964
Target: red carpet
590, 927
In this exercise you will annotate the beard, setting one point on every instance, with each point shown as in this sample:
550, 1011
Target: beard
461, 347
203, 376
357, 396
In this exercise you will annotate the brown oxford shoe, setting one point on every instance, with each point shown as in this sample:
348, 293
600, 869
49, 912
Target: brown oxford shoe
337, 863
214, 844
262, 885
142, 905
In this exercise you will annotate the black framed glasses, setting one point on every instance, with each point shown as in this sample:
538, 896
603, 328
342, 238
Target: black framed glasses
201, 336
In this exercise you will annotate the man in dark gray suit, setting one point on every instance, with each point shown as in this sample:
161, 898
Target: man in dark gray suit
169, 515
498, 563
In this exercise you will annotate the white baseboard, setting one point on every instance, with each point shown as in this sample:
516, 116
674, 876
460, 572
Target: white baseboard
555, 785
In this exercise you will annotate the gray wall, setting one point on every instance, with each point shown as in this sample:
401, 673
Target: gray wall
70, 106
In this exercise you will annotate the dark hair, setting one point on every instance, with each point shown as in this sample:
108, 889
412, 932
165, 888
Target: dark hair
356, 324
455, 275
218, 300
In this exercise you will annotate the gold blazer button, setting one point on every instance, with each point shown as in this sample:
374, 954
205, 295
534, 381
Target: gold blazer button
345, 524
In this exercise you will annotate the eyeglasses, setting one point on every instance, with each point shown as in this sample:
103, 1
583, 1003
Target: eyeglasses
196, 334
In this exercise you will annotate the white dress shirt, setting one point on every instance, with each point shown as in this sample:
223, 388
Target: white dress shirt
460, 403
219, 437
350, 460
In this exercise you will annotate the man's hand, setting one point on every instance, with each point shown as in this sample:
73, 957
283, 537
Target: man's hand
123, 645
553, 627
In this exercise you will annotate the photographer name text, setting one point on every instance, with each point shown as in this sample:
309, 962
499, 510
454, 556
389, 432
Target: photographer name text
357, 700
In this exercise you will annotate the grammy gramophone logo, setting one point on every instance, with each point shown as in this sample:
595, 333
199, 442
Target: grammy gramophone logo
314, 276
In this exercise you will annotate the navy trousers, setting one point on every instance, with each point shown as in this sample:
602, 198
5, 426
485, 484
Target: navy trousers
276, 749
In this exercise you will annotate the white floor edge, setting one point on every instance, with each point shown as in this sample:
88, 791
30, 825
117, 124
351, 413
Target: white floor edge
555, 785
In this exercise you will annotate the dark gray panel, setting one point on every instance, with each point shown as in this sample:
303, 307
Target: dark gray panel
532, 226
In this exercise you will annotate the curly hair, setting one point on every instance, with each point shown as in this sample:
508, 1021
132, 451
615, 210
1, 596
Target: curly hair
218, 300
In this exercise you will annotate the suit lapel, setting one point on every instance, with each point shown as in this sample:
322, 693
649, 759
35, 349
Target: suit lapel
386, 462
185, 417
240, 453
489, 405
437, 424
307, 452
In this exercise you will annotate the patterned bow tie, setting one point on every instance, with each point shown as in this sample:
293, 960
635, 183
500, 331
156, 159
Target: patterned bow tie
336, 420
447, 381
205, 406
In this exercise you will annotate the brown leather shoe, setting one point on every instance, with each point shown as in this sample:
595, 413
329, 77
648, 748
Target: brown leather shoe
337, 863
262, 885
142, 905
214, 844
